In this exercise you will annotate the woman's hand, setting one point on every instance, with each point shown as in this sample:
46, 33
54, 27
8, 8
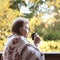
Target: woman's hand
36, 38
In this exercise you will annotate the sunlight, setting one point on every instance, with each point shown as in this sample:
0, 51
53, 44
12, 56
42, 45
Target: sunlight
24, 9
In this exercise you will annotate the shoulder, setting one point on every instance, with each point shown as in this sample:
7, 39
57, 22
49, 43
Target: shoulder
13, 40
17, 40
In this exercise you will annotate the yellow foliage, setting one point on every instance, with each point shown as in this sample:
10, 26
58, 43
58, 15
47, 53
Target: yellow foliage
51, 3
34, 1
54, 3
1, 46
41, 14
50, 46
57, 4
35, 21
7, 15
4, 6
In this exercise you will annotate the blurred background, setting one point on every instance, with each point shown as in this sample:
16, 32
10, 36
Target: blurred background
44, 16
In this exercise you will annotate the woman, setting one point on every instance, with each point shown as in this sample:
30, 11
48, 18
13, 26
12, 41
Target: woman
17, 46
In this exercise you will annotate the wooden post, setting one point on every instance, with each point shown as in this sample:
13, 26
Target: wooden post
52, 56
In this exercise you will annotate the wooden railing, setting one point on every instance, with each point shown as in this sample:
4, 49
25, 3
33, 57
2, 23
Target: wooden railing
47, 56
52, 56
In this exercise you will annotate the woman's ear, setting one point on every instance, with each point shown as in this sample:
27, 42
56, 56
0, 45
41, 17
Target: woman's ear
20, 30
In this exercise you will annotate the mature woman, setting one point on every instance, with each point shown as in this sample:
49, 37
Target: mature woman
17, 46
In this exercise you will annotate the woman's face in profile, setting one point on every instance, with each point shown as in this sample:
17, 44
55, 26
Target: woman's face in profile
24, 30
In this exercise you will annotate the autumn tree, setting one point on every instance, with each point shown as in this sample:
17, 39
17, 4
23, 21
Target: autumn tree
7, 15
